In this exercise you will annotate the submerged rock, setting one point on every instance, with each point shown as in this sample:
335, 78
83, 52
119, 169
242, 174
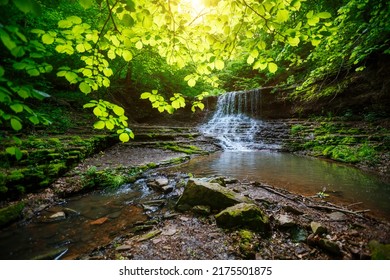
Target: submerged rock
243, 215
198, 192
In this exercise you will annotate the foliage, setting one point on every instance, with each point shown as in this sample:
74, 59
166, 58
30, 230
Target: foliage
89, 44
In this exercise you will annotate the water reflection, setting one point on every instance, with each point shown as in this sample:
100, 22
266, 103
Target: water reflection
297, 174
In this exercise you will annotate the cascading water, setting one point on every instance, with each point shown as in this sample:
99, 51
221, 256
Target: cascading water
234, 122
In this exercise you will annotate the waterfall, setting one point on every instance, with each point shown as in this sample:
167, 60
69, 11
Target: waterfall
235, 122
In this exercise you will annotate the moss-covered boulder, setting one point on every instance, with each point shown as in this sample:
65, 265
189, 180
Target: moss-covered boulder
243, 215
198, 192
11, 213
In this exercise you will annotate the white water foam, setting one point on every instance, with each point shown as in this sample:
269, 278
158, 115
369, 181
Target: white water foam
233, 125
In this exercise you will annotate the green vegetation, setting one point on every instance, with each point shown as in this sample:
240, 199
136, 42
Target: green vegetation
10, 213
337, 141
173, 52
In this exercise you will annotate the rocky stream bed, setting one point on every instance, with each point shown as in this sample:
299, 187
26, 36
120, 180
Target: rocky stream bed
204, 218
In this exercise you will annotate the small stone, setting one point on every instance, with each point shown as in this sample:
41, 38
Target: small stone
123, 248
162, 181
169, 231
337, 216
58, 215
329, 246
317, 228
285, 221
167, 189
202, 209
99, 221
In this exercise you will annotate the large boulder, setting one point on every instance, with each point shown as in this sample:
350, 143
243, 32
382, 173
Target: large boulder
243, 215
198, 192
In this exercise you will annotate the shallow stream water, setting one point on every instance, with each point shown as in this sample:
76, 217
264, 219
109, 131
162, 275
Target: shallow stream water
302, 175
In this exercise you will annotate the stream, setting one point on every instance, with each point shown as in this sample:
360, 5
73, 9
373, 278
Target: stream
345, 185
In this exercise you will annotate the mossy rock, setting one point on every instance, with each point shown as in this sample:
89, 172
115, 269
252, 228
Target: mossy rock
198, 192
243, 215
11, 213
379, 251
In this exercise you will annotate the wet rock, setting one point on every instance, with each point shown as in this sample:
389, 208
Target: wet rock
160, 184
317, 228
162, 181
379, 251
243, 215
71, 212
58, 216
329, 246
198, 192
337, 216
285, 221
201, 210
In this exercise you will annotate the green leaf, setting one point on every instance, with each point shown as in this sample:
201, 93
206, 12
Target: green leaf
107, 72
33, 72
200, 105
313, 20
293, 41
84, 88
191, 82
34, 120
119, 111
18, 51
219, 64
40, 94
16, 124
17, 107
139, 45
272, 67
72, 77
124, 137
99, 125
86, 3
145, 95
25, 6
282, 16
7, 41
65, 23
47, 39
127, 55
324, 15
2, 71
15, 151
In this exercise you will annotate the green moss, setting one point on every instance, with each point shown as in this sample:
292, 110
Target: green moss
187, 149
11, 213
379, 251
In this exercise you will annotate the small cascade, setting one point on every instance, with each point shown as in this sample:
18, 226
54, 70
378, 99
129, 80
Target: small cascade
234, 122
